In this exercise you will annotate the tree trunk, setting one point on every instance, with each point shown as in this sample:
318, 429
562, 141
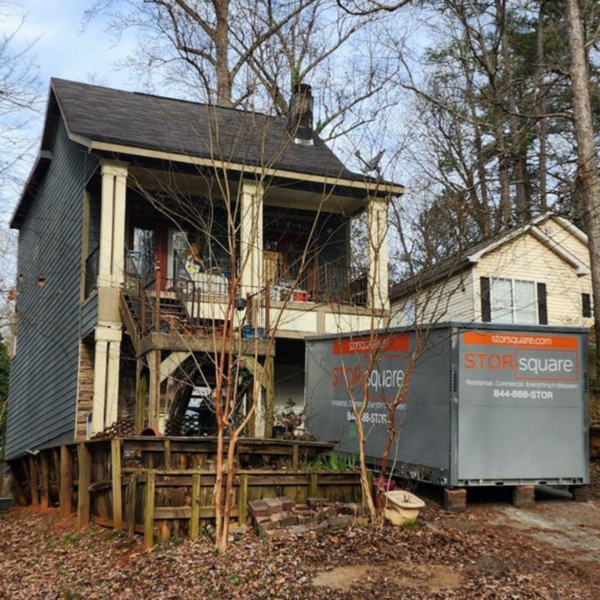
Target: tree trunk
223, 72
587, 168
518, 157
543, 123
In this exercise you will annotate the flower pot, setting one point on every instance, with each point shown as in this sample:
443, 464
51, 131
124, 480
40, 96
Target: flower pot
402, 507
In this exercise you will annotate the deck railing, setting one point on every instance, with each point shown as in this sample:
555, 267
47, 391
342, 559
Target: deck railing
162, 487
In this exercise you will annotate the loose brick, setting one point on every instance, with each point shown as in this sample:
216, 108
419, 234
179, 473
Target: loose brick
317, 502
287, 519
523, 496
326, 513
344, 520
355, 509
286, 503
258, 508
273, 505
455, 500
275, 534
303, 519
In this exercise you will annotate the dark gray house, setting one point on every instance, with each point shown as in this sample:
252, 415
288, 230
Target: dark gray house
127, 228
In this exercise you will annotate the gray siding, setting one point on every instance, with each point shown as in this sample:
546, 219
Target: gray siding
43, 379
89, 315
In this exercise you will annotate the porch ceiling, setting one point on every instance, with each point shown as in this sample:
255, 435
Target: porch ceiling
301, 194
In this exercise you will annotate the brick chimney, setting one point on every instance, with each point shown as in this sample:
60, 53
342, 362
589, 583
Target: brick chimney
300, 119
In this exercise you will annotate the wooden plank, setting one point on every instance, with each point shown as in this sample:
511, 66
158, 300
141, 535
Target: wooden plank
45, 483
149, 511
117, 484
243, 499
34, 482
312, 486
163, 513
66, 482
195, 509
84, 457
167, 450
131, 502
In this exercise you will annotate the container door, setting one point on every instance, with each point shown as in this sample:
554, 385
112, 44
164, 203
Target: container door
521, 407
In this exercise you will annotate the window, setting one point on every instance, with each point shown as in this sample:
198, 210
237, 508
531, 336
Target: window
587, 306
410, 311
514, 301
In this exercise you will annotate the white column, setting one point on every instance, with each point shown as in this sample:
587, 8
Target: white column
112, 227
251, 236
377, 224
106, 376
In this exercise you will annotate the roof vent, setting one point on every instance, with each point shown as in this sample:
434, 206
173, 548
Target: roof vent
300, 119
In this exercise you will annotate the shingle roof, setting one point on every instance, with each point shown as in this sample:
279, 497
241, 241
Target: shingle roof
152, 122
459, 261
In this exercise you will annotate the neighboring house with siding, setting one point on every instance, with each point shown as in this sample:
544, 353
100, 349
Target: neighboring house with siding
535, 273
119, 290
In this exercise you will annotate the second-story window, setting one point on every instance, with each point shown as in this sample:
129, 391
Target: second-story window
513, 301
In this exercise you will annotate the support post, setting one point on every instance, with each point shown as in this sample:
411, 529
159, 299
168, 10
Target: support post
154, 403
66, 481
243, 499
377, 224
167, 452
269, 385
45, 483
131, 503
195, 516
34, 482
117, 485
313, 485
84, 479
141, 391
149, 511
251, 236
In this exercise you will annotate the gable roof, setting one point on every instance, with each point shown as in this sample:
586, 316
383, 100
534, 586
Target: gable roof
471, 255
153, 122
107, 119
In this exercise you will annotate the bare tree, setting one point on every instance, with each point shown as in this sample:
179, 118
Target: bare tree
587, 171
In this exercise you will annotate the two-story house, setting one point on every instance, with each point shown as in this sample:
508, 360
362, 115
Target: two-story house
127, 228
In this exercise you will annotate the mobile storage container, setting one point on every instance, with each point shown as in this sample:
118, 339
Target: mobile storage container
486, 404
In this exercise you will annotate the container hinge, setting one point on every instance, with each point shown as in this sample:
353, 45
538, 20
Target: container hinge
454, 381
586, 383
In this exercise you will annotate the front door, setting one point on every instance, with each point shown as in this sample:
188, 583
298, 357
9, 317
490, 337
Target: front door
148, 249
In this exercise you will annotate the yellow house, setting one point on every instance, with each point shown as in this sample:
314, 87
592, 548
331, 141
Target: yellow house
536, 273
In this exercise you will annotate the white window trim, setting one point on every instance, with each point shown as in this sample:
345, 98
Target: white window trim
512, 299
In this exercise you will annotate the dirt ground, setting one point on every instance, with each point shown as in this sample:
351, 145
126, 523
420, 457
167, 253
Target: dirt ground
551, 551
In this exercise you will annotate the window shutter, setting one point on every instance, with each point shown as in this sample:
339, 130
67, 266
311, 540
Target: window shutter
486, 305
586, 305
542, 304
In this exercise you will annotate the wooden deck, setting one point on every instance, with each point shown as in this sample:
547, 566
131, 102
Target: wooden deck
163, 487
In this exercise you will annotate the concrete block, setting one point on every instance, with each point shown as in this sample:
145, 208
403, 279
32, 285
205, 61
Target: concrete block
274, 505
258, 508
523, 496
455, 500
286, 503
580, 493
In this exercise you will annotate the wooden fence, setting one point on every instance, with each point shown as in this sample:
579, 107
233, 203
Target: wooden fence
163, 487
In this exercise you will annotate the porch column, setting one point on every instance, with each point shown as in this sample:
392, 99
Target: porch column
111, 270
106, 376
111, 265
251, 236
377, 233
